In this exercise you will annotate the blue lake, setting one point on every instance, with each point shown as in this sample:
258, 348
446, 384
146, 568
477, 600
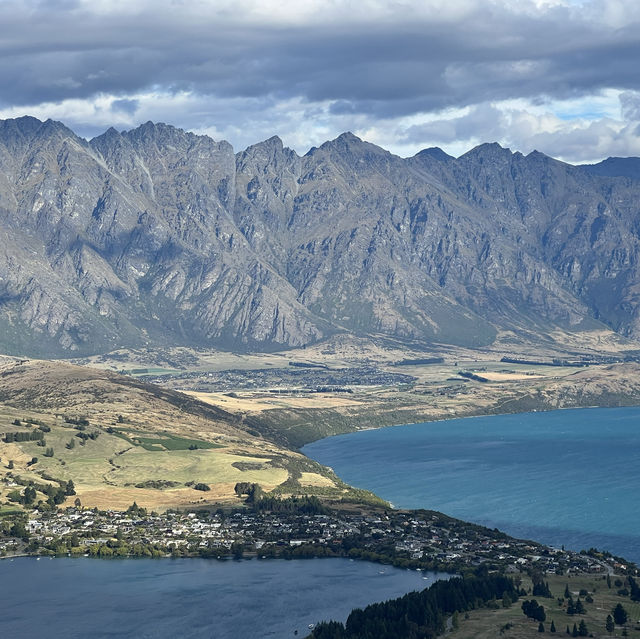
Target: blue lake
567, 477
188, 598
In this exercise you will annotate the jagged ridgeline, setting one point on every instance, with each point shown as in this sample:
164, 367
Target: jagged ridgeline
160, 235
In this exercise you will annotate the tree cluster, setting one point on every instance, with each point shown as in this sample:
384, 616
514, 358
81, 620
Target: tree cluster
575, 608
252, 491
55, 494
533, 610
78, 421
579, 630
85, 436
23, 436
305, 504
541, 589
418, 614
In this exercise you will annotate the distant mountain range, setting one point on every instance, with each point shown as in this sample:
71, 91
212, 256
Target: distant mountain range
160, 236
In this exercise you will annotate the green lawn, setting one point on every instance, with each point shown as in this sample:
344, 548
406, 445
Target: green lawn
172, 442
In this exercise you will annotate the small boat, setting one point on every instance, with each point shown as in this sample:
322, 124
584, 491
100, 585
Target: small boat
312, 626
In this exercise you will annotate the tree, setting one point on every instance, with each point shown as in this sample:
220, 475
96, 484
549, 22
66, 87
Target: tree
620, 615
609, 624
14, 495
635, 589
541, 627
582, 629
10, 465
574, 632
255, 494
136, 511
18, 530
533, 610
29, 495
567, 594
455, 620
552, 628
70, 489
72, 444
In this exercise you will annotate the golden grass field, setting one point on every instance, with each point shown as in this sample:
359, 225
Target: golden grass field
257, 401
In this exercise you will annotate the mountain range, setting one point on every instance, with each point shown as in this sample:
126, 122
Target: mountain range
160, 236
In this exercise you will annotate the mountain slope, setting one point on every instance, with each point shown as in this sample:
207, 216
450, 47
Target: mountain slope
160, 236
121, 440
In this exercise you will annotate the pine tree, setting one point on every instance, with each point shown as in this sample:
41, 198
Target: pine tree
582, 629
609, 624
620, 615
541, 627
553, 627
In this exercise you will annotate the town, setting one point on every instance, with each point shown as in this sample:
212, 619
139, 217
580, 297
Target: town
298, 527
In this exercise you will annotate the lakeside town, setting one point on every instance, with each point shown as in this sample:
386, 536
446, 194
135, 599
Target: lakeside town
304, 527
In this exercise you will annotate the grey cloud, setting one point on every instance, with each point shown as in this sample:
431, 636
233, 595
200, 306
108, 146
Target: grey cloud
483, 120
50, 51
125, 106
585, 144
630, 105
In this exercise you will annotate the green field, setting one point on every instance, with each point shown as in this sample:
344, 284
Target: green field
172, 442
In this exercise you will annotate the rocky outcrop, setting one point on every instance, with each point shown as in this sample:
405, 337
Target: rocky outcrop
162, 236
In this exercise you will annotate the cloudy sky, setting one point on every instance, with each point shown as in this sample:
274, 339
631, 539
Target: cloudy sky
560, 76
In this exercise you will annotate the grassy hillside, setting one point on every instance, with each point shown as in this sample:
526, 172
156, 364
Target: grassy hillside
511, 623
121, 440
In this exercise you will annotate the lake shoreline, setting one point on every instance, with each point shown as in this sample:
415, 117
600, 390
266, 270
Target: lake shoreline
361, 478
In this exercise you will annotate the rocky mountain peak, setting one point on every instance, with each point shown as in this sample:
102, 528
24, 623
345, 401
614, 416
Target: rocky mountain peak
24, 127
435, 153
487, 152
159, 235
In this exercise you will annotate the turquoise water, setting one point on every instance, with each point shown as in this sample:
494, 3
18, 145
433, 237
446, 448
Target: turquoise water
567, 477
188, 598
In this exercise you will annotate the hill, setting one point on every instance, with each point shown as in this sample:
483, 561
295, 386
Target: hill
121, 440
